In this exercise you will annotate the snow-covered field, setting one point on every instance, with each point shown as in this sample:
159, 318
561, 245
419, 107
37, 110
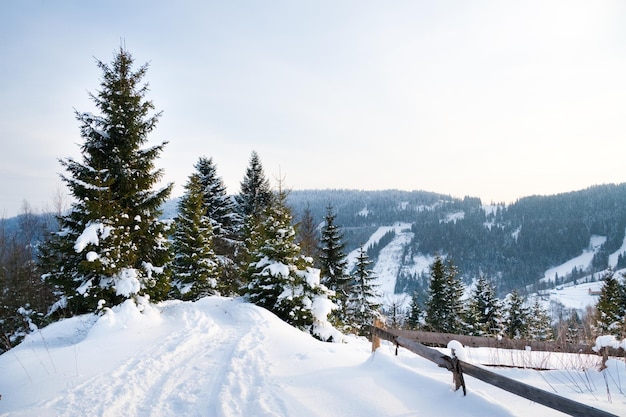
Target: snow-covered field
223, 357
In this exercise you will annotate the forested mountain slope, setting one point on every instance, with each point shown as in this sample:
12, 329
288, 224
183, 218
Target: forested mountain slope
512, 245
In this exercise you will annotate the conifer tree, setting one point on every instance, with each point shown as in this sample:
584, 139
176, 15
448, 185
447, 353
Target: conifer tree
254, 197
112, 245
362, 307
219, 207
307, 236
414, 316
610, 309
255, 194
484, 310
333, 264
444, 308
221, 211
516, 316
539, 327
195, 266
280, 279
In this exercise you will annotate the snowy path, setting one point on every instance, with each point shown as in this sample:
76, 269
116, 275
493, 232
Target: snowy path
225, 358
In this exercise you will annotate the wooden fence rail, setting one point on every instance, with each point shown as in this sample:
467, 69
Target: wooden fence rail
458, 368
442, 339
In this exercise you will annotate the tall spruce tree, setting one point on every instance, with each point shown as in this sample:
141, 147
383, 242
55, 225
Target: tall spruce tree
280, 279
362, 306
333, 264
221, 211
611, 309
444, 308
195, 267
112, 245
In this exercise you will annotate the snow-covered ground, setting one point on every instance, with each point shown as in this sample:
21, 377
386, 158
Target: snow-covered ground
575, 296
223, 357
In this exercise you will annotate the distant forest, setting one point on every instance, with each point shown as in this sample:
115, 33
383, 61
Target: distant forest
510, 245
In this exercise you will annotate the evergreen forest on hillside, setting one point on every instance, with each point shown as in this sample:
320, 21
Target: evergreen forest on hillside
513, 245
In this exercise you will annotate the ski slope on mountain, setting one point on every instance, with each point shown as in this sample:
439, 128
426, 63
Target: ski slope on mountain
223, 357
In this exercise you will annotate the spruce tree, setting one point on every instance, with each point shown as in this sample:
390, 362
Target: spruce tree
280, 279
414, 316
444, 308
195, 268
539, 326
307, 236
255, 194
112, 245
333, 264
610, 309
362, 306
484, 310
220, 209
516, 321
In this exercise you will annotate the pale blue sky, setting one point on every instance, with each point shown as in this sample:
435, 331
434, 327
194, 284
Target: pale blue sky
493, 99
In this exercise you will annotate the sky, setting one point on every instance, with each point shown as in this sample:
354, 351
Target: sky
493, 99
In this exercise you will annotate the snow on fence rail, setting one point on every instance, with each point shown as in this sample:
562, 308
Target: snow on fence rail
459, 367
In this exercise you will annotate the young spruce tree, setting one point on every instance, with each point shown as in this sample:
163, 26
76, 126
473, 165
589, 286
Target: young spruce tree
195, 268
610, 309
112, 245
362, 307
280, 279
517, 314
484, 316
333, 265
444, 309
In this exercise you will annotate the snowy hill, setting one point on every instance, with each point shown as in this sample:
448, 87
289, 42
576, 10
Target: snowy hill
223, 357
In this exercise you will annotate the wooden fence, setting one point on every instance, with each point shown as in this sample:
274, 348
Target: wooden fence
459, 368
442, 339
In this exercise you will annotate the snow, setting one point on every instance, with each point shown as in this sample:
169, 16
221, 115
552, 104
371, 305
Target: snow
388, 263
575, 296
580, 262
127, 282
606, 341
227, 358
457, 349
91, 235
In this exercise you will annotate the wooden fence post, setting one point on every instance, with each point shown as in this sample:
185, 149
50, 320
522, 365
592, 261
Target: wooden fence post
375, 338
